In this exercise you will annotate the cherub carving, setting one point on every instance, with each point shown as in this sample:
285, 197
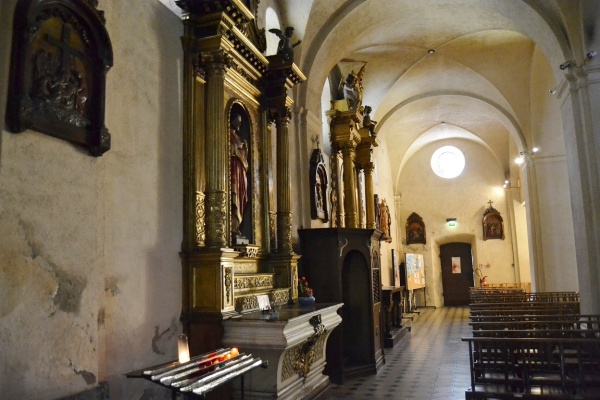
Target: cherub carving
367, 122
285, 48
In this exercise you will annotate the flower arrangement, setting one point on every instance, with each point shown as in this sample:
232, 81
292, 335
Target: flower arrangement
479, 272
303, 289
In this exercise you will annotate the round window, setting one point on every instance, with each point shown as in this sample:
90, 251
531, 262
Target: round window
448, 162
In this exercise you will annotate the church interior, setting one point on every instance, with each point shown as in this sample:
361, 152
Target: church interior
188, 167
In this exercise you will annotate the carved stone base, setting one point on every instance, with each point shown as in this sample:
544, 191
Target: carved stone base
294, 345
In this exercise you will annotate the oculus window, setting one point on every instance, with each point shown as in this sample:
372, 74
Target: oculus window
448, 162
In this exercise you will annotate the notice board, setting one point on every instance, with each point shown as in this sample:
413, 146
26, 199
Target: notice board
415, 271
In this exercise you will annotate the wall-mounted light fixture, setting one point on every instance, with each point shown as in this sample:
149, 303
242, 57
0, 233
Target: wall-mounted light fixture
510, 185
451, 221
566, 65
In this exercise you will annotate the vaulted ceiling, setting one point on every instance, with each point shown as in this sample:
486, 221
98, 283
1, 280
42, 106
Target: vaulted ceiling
436, 69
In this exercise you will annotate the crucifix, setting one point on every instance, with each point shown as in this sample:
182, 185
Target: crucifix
315, 140
66, 50
490, 203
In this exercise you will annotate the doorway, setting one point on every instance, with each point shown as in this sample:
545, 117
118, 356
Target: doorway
457, 273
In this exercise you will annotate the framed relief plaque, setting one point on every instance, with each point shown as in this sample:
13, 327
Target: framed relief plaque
61, 53
415, 229
493, 225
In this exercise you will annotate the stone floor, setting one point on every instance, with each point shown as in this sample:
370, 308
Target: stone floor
429, 363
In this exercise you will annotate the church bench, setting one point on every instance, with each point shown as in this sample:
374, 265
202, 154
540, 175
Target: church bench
538, 333
532, 315
502, 297
545, 368
569, 322
541, 308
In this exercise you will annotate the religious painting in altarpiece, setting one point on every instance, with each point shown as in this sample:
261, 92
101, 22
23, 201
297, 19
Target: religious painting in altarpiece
60, 54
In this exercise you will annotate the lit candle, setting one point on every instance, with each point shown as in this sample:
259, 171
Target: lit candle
234, 352
184, 351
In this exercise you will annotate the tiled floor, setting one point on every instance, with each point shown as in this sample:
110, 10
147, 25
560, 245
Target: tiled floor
429, 363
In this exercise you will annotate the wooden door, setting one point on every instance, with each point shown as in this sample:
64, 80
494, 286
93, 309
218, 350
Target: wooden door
457, 273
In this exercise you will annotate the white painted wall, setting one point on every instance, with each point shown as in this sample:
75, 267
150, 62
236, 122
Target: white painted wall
465, 198
382, 178
90, 277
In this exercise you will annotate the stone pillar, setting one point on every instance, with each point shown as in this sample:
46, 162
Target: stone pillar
216, 155
369, 168
350, 206
536, 253
284, 207
581, 126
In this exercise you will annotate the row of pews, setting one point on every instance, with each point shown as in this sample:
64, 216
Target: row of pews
532, 346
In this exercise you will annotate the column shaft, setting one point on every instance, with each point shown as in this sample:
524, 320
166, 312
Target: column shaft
216, 156
369, 195
284, 210
350, 185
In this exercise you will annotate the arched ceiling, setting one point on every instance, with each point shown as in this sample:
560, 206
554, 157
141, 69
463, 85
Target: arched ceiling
477, 81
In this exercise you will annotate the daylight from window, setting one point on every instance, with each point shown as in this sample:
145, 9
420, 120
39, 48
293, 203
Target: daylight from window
448, 162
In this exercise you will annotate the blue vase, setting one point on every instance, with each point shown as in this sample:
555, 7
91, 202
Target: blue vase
306, 301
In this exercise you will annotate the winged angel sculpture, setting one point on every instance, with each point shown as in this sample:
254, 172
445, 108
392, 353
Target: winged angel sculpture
285, 48
353, 89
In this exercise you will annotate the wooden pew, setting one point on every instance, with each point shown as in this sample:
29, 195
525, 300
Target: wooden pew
534, 367
493, 296
568, 322
532, 345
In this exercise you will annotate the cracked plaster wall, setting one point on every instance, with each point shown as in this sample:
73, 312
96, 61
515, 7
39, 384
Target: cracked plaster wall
90, 281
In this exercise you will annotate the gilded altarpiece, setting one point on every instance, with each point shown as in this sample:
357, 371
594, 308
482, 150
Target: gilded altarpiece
236, 239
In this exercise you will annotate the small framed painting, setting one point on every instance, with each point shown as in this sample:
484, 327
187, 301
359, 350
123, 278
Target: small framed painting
456, 265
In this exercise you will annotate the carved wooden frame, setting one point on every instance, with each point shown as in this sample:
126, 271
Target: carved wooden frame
61, 52
415, 229
318, 183
493, 224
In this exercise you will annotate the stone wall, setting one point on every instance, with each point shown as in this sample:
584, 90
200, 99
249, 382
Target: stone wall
90, 277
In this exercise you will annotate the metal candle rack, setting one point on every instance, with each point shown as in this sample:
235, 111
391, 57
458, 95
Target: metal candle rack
202, 373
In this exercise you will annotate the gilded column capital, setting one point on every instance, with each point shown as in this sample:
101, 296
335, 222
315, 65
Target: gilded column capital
215, 62
348, 147
280, 116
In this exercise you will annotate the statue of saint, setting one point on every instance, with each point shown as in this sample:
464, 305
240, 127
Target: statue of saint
239, 173
285, 48
384, 219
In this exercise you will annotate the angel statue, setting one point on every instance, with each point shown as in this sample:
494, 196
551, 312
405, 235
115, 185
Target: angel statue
285, 49
368, 122
352, 88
